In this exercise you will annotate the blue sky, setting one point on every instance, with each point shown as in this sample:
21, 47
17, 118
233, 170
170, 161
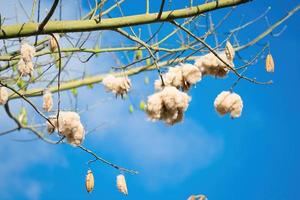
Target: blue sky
253, 157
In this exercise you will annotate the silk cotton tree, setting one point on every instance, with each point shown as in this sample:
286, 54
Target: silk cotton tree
47, 58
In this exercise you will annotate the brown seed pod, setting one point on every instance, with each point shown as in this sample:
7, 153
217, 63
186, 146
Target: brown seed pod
269, 63
53, 43
121, 184
89, 181
3, 95
229, 51
47, 100
192, 197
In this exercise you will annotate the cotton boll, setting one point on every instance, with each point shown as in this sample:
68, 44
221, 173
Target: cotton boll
25, 68
121, 184
191, 74
47, 100
167, 105
25, 65
68, 125
109, 82
220, 104
27, 52
172, 78
181, 76
209, 64
174, 99
227, 102
237, 106
3, 95
77, 135
154, 106
117, 85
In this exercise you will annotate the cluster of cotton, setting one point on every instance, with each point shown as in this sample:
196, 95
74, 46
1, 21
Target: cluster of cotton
25, 65
3, 95
117, 85
181, 76
168, 105
121, 184
69, 125
228, 102
52, 42
47, 100
209, 64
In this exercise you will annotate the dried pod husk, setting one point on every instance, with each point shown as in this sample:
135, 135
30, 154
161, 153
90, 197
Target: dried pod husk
52, 42
269, 63
3, 95
89, 181
121, 184
192, 197
47, 100
229, 51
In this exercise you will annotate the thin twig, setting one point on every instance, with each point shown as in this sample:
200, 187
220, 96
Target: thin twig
106, 161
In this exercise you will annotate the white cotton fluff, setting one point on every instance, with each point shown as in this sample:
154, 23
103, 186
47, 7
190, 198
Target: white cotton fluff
3, 95
227, 102
181, 76
52, 42
121, 184
47, 100
117, 85
25, 65
69, 126
168, 105
209, 64
27, 52
25, 68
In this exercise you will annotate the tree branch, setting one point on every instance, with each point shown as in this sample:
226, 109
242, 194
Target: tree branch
107, 162
49, 15
30, 29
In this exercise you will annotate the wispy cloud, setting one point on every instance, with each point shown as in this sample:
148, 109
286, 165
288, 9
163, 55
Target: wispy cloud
16, 159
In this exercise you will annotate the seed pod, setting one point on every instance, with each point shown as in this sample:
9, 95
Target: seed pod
3, 95
53, 43
269, 63
192, 197
229, 51
121, 184
89, 181
47, 100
